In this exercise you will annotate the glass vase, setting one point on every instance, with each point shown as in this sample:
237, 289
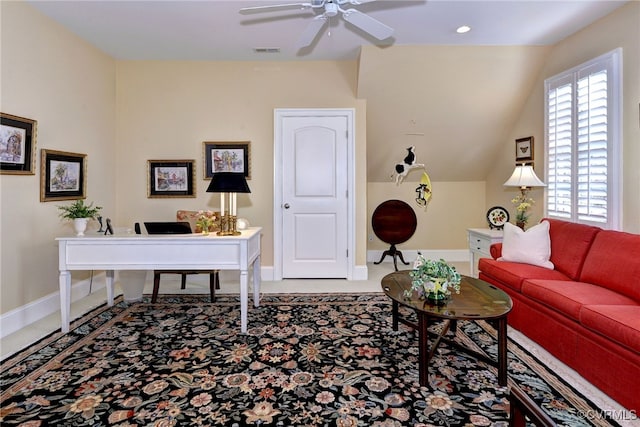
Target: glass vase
437, 298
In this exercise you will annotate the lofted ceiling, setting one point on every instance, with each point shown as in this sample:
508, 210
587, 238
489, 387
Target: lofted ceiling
452, 95
215, 30
455, 104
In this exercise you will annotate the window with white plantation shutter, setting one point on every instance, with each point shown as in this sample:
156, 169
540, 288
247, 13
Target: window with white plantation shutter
583, 144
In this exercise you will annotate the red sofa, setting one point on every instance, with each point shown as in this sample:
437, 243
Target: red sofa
586, 311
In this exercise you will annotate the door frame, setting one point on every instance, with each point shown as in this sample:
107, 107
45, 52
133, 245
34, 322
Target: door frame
279, 115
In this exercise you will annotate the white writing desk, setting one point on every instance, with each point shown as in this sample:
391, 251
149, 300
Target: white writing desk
160, 252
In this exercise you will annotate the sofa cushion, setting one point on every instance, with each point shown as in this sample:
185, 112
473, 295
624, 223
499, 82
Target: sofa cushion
568, 297
495, 250
512, 274
570, 243
614, 262
620, 323
528, 247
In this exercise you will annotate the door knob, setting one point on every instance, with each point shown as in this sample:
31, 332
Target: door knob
286, 205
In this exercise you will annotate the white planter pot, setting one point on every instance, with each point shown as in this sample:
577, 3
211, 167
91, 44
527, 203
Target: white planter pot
132, 284
80, 225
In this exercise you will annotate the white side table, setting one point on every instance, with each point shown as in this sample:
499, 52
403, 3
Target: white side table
480, 240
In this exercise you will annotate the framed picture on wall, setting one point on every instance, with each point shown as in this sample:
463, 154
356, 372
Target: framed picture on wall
63, 175
170, 178
17, 145
524, 149
227, 157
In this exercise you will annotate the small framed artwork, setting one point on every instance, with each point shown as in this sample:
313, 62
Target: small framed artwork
17, 145
227, 157
524, 149
170, 178
63, 175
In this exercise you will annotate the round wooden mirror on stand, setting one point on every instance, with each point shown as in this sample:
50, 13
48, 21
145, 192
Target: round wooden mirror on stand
394, 222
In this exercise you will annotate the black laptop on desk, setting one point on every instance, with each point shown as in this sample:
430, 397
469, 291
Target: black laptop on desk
171, 227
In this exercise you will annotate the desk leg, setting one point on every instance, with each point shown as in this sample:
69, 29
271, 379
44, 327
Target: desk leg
502, 351
244, 299
65, 299
256, 282
109, 274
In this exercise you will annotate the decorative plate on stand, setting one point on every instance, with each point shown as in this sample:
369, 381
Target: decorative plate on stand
497, 216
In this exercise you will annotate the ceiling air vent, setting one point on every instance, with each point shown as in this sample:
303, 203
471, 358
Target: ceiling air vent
266, 49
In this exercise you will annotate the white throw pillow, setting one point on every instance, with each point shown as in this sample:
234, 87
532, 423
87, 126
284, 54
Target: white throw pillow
529, 247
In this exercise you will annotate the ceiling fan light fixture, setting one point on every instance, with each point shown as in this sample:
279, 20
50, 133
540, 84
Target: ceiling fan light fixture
463, 29
331, 9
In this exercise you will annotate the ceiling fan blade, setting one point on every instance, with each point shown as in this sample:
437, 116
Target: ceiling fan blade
368, 24
275, 7
354, 2
311, 32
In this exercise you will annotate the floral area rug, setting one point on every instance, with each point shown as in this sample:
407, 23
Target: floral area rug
307, 360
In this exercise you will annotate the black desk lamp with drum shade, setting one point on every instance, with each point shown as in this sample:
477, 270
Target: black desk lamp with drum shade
228, 184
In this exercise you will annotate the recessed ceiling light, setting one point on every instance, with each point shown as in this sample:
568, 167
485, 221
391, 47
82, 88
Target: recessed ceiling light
463, 29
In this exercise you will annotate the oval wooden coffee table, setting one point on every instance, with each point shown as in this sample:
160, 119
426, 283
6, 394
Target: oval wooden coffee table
477, 300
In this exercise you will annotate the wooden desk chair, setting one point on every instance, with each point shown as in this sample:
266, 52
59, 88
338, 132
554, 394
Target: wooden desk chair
177, 228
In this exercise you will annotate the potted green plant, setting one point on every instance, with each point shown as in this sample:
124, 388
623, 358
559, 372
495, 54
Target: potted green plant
80, 213
434, 280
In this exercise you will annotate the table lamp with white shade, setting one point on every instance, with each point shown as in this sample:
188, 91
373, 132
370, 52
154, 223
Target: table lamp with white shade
524, 178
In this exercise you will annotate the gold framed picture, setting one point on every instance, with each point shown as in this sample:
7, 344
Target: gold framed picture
170, 178
227, 157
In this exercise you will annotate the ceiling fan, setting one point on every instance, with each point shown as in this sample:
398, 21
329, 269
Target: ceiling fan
330, 9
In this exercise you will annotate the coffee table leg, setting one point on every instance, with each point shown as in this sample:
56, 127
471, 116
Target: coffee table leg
394, 315
502, 351
423, 349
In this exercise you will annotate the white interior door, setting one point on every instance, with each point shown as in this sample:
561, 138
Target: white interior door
313, 204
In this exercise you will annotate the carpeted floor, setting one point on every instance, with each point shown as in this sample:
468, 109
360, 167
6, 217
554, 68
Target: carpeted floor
307, 360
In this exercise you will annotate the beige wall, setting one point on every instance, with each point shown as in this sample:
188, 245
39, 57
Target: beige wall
73, 101
453, 103
619, 29
167, 109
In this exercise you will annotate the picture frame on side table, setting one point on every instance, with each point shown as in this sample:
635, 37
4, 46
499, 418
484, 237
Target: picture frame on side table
63, 175
524, 149
227, 157
17, 145
170, 178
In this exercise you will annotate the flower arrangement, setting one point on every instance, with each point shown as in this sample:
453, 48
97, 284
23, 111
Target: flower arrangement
522, 204
205, 220
433, 279
78, 209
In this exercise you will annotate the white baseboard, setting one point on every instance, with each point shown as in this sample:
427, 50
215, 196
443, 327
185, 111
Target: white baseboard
20, 317
360, 272
16, 319
266, 273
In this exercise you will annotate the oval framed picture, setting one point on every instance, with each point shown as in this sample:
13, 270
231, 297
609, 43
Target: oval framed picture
497, 216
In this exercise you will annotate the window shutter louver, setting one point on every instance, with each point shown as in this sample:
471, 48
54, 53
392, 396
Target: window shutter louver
582, 151
559, 180
592, 147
